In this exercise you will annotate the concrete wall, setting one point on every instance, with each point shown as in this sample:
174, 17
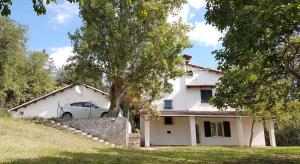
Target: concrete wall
181, 132
47, 107
109, 129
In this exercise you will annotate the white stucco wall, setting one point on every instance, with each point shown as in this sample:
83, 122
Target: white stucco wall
258, 132
48, 106
189, 99
181, 132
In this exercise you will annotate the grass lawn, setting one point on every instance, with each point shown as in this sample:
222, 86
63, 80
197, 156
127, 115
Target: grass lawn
24, 142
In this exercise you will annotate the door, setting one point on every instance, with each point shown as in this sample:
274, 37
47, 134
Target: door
198, 134
96, 111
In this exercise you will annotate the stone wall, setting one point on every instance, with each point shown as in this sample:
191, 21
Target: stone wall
134, 140
112, 130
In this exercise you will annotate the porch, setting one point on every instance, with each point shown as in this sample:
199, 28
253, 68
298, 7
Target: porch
203, 128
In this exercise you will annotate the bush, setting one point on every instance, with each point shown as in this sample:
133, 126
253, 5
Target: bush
4, 113
288, 132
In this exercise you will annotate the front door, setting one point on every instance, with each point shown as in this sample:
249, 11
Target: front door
197, 134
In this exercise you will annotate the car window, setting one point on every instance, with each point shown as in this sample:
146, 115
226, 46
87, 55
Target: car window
94, 105
77, 104
86, 104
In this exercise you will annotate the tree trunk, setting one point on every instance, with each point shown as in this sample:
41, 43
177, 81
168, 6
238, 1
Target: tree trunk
115, 99
252, 127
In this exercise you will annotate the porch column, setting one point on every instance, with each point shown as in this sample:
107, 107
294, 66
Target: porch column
147, 132
193, 130
240, 131
270, 127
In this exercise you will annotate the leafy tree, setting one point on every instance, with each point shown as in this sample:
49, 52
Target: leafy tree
24, 75
81, 73
12, 42
132, 46
260, 56
288, 131
38, 6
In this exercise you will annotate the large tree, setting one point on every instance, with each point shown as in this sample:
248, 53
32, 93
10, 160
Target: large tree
132, 46
260, 56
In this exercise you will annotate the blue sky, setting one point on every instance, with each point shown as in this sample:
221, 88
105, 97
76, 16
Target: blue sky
50, 31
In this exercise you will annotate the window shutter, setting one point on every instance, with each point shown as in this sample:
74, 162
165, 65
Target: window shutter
226, 125
207, 129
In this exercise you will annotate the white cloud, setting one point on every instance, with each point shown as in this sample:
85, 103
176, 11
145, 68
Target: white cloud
62, 13
185, 11
205, 34
197, 4
61, 55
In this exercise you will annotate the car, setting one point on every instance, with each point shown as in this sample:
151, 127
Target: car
83, 109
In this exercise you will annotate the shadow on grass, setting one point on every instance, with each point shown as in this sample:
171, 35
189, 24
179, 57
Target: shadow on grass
121, 155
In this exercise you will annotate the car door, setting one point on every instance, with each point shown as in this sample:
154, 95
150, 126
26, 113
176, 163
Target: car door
75, 109
95, 111
86, 110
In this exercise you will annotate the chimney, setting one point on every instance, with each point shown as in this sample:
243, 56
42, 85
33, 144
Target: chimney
187, 58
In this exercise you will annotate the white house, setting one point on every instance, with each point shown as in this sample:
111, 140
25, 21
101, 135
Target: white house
187, 118
48, 105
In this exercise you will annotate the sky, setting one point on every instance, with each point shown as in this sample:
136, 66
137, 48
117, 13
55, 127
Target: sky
50, 31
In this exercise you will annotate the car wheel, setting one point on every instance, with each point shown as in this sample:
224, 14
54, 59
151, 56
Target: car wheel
67, 116
104, 114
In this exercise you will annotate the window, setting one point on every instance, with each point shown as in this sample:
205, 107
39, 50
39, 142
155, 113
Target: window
189, 73
168, 121
217, 129
168, 104
78, 104
94, 105
206, 95
86, 104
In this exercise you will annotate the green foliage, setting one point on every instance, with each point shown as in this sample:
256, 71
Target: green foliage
38, 6
24, 75
260, 57
131, 46
288, 131
4, 113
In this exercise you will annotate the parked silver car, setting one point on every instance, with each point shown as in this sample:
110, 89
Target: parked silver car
82, 110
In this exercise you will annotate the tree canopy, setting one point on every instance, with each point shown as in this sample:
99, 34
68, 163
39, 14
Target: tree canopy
260, 56
23, 75
132, 47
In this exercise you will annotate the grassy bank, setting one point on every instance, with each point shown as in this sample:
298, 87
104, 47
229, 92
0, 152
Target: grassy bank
24, 142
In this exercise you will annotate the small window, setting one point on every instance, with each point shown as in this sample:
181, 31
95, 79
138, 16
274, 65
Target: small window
206, 95
168, 104
21, 113
168, 121
189, 73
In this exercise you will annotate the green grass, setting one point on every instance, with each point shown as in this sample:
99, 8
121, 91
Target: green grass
24, 142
